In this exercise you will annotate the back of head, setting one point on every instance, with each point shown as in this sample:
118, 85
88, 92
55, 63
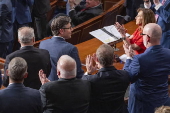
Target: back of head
163, 109
148, 16
59, 23
154, 31
105, 55
66, 67
26, 35
17, 69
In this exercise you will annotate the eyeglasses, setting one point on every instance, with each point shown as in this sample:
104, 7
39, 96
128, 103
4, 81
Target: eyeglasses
68, 28
145, 34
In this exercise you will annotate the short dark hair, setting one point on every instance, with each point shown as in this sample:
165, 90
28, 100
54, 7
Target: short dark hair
17, 68
105, 55
59, 23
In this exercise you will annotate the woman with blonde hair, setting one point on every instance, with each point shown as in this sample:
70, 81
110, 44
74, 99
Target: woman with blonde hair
143, 17
163, 109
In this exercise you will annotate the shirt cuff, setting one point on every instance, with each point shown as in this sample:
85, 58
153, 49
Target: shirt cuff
130, 58
147, 5
158, 6
86, 73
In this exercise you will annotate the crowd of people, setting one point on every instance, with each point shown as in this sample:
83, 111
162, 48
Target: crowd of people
50, 79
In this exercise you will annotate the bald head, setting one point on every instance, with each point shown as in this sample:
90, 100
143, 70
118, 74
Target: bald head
66, 67
152, 34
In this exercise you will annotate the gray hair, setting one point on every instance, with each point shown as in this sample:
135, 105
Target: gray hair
105, 55
25, 34
67, 66
17, 68
58, 23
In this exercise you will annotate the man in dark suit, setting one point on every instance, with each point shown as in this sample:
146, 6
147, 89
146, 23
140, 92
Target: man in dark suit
40, 8
67, 94
108, 85
81, 13
6, 27
162, 11
17, 98
57, 46
148, 73
36, 58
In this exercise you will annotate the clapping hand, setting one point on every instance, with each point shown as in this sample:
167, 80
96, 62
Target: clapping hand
121, 29
43, 77
89, 65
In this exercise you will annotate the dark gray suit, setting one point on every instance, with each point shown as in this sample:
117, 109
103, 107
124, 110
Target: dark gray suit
36, 59
65, 96
17, 98
108, 88
79, 15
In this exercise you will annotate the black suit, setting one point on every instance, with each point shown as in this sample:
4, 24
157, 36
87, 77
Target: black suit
40, 8
65, 96
17, 98
78, 16
108, 88
36, 59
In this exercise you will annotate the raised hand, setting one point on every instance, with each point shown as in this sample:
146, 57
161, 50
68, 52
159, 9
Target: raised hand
43, 77
89, 65
121, 29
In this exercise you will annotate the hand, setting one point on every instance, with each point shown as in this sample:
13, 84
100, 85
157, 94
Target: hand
121, 29
72, 3
156, 2
89, 65
128, 50
43, 77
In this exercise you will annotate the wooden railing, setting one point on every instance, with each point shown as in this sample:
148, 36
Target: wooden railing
81, 32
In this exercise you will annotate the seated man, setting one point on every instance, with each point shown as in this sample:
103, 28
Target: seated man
17, 98
108, 85
36, 58
67, 94
82, 13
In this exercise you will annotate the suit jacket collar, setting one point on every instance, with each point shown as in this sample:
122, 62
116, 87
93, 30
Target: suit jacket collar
16, 85
63, 79
27, 47
58, 38
107, 68
152, 48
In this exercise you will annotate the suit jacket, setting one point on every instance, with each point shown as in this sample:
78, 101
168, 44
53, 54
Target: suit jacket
108, 88
6, 27
57, 47
36, 59
164, 22
69, 96
17, 98
78, 16
41, 6
149, 74
0, 79
21, 11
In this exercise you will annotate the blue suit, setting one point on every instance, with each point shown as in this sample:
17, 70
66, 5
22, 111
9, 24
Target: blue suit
57, 47
17, 98
149, 74
164, 22
21, 11
6, 27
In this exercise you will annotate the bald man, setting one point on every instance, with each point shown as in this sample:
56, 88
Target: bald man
148, 73
67, 94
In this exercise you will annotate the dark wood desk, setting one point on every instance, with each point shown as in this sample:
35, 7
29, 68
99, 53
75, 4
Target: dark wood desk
90, 46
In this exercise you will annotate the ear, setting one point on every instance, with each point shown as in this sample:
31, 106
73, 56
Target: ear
26, 75
61, 31
7, 72
58, 73
148, 39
